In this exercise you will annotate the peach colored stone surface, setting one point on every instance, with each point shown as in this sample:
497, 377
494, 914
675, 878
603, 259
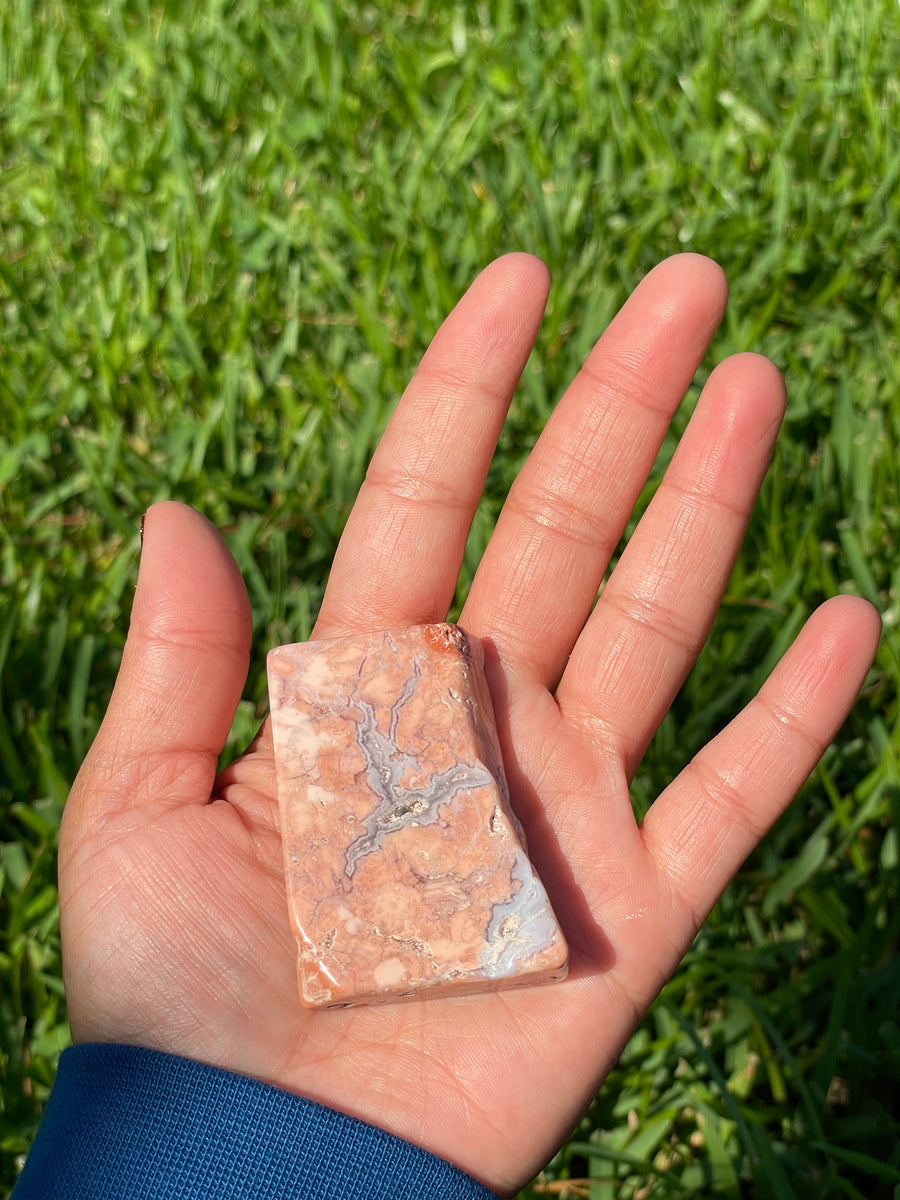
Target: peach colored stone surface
406, 871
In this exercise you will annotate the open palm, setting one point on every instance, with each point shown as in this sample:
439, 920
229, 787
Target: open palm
175, 927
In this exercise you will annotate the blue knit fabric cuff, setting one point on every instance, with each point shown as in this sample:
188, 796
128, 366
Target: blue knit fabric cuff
129, 1124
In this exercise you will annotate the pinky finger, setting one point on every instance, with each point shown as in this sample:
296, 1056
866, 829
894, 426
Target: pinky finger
715, 812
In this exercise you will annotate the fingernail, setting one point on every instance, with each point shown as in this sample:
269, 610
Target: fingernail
143, 518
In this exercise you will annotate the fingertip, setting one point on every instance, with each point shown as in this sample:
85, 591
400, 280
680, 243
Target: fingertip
828, 663
696, 270
187, 575
522, 273
751, 362
749, 376
170, 516
850, 621
686, 291
534, 266
522, 260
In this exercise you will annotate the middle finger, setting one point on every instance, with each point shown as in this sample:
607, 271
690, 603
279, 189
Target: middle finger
570, 503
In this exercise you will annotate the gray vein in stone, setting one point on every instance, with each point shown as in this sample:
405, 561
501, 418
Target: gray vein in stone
521, 926
385, 766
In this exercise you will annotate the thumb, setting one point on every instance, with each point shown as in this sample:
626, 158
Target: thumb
183, 669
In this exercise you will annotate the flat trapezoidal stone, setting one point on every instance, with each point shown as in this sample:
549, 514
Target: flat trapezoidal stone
406, 870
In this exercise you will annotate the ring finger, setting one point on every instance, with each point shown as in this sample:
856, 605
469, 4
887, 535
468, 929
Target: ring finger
656, 610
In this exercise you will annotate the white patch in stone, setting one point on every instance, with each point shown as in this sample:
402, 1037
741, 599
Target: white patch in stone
390, 973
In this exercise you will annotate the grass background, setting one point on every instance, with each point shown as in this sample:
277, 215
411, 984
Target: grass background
227, 232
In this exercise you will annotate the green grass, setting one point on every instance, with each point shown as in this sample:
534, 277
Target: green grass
225, 240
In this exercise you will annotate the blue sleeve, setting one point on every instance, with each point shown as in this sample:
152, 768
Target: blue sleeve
129, 1124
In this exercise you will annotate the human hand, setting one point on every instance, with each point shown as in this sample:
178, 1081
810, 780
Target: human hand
174, 920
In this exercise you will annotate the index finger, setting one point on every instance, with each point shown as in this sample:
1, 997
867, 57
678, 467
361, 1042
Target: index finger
399, 557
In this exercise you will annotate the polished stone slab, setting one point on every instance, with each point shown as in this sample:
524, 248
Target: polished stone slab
406, 870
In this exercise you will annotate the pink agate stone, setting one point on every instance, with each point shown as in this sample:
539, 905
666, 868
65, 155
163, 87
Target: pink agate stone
406, 869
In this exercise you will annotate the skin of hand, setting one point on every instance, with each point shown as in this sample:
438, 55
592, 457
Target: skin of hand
174, 920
